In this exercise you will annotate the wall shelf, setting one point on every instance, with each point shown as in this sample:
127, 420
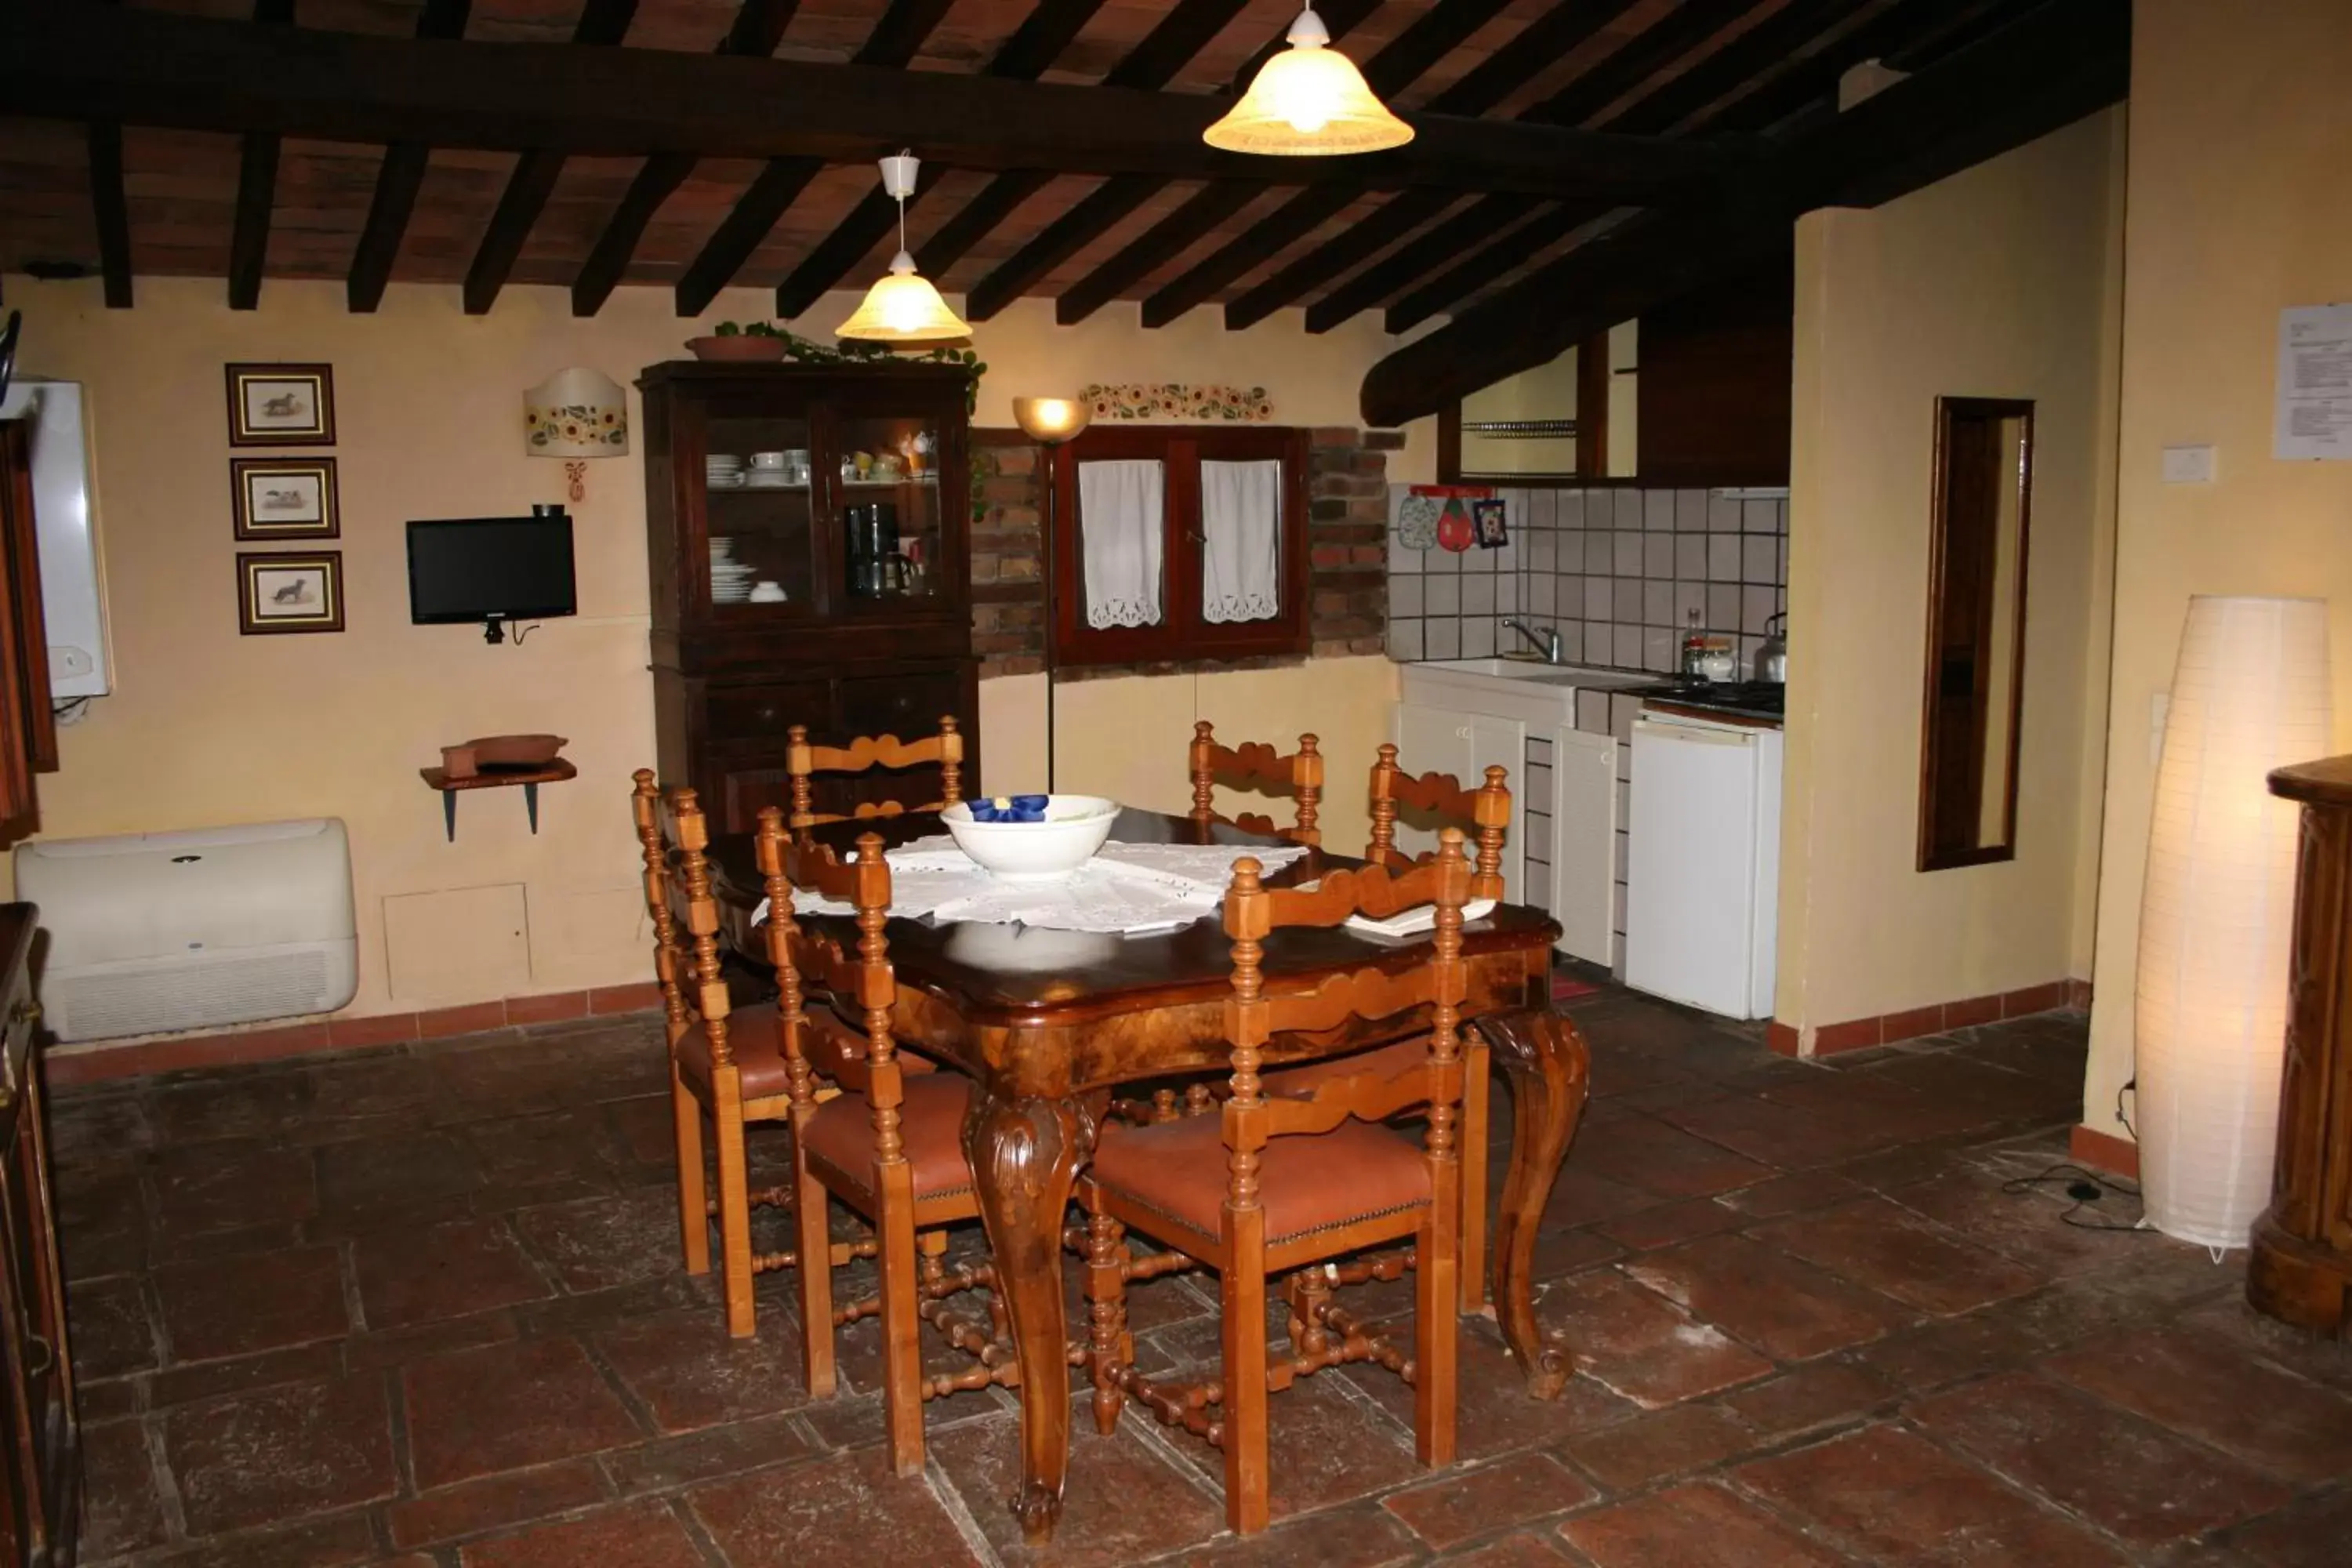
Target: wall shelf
529, 779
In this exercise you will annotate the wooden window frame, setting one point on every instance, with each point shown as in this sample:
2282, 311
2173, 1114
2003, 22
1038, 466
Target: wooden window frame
1182, 633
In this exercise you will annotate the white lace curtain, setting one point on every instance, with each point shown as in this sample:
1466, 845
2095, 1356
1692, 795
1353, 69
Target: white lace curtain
1240, 534
1121, 505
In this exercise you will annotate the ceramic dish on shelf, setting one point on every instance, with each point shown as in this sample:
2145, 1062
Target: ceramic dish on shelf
1072, 827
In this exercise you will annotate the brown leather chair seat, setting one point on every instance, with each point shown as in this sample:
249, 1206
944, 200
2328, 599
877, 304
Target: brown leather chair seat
840, 1135
1307, 1182
755, 1039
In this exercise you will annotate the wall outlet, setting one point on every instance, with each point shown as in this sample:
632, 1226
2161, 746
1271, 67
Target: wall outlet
2188, 465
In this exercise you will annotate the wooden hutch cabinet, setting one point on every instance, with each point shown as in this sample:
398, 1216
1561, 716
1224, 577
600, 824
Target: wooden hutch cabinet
773, 603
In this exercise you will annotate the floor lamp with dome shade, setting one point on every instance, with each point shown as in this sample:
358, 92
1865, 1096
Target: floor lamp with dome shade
1052, 423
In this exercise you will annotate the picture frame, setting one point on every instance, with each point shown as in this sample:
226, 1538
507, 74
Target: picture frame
281, 406
1488, 517
282, 592
284, 497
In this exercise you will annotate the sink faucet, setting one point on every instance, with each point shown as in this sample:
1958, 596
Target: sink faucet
1546, 638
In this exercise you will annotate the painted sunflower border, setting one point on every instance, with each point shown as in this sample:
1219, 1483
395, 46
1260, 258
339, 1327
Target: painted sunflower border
1177, 400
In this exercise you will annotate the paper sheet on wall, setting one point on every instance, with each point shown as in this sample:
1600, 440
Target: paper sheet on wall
2314, 382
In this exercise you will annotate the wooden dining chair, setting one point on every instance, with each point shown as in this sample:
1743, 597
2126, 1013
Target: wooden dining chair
1255, 764
802, 760
727, 1064
1483, 815
1272, 1185
890, 1146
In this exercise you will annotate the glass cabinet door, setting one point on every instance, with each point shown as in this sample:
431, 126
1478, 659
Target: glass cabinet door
891, 522
760, 504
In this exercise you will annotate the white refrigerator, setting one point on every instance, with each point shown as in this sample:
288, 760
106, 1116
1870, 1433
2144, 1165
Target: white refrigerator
1703, 868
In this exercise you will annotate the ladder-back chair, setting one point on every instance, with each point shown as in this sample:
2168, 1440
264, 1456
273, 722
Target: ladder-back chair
1255, 764
802, 760
890, 1146
1271, 1185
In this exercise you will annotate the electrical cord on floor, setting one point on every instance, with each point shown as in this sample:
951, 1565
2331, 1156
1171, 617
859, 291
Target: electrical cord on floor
2086, 1187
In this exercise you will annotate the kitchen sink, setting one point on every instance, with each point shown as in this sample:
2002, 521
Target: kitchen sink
1536, 672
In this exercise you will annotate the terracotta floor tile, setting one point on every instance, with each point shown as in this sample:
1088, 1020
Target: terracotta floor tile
1521, 1550
261, 1304
358, 1088
124, 1509
1123, 1502
690, 1374
2209, 1391
243, 1374
1693, 1527
765, 1521
508, 1407
251, 1106
1876, 1244
2121, 1473
100, 1130
578, 1144
1814, 1394
1328, 1448
196, 1190
1780, 1305
1478, 1502
594, 1244
1641, 1345
341, 1541
1672, 1223
107, 1321
1793, 1193
476, 1507
670, 1462
1891, 1497
2024, 1227
2327, 1362
1642, 1151
261, 1458
1360, 1536
1494, 1413
448, 1270
1790, 1137
1674, 1442
640, 1534
1583, 1199
2311, 1533
370, 1174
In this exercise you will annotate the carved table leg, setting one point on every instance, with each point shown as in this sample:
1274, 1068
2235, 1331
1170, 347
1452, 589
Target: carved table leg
1551, 1072
1025, 1154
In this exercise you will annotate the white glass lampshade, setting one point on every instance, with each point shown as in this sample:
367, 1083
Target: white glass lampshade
1050, 421
576, 413
1308, 101
903, 308
2249, 694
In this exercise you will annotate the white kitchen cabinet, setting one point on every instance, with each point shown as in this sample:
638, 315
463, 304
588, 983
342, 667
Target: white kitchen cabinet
1461, 718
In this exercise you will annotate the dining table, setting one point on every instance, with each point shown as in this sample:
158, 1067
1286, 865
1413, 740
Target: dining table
1049, 1023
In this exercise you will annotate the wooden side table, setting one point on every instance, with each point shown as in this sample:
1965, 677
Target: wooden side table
529, 779
2300, 1272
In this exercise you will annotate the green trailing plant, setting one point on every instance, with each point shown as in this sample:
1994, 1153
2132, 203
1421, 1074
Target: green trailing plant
808, 351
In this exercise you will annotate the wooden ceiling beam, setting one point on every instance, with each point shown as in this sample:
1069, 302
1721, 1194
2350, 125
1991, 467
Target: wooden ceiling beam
758, 29
1557, 32
1752, 54
2047, 69
257, 189
78, 62
111, 214
895, 36
1035, 45
602, 24
397, 181
1601, 84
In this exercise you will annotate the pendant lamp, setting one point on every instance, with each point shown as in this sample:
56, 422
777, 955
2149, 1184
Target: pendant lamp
903, 309
2249, 694
1308, 101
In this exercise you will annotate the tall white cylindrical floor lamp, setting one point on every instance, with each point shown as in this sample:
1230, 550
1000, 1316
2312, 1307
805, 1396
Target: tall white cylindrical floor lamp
1052, 423
2249, 694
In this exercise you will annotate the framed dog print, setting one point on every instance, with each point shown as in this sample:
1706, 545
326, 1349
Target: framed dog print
281, 406
289, 593
285, 498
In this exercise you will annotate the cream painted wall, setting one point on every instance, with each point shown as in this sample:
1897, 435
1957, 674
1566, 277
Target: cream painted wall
2239, 132
208, 727
1998, 281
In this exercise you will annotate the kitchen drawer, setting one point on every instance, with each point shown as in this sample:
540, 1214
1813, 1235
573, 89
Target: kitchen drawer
906, 705
764, 713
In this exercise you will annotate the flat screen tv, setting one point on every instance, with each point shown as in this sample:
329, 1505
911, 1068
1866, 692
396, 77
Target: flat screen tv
490, 569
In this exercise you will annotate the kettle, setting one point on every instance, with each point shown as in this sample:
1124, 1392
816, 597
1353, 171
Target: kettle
1773, 653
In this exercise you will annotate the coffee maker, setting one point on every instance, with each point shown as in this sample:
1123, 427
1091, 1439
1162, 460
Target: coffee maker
876, 568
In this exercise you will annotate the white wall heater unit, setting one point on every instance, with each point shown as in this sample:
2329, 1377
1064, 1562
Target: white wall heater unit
152, 932
73, 597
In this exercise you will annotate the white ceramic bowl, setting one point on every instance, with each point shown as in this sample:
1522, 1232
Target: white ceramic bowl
1074, 828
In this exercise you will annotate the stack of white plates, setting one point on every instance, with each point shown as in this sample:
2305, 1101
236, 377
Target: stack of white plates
722, 472
730, 580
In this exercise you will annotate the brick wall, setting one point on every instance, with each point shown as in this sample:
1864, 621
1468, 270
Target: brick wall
1348, 576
